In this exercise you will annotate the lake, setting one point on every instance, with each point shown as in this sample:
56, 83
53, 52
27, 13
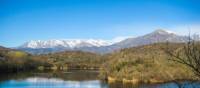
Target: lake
76, 79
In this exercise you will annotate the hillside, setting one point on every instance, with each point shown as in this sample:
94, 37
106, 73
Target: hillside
157, 36
73, 60
13, 61
148, 63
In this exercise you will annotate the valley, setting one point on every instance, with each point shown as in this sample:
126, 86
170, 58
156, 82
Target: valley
99, 43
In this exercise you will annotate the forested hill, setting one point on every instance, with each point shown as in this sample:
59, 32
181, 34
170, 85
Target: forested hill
74, 60
148, 63
12, 61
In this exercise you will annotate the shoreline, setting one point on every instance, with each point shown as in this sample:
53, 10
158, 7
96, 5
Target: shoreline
151, 81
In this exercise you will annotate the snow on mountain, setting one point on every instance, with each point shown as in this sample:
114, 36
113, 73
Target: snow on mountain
101, 46
158, 36
70, 43
161, 31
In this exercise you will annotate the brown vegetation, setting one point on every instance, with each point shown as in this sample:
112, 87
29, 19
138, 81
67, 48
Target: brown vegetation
74, 60
188, 55
145, 64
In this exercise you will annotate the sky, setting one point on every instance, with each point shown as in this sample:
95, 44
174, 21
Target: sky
25, 20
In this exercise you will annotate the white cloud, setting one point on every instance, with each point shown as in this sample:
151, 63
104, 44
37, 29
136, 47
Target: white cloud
186, 29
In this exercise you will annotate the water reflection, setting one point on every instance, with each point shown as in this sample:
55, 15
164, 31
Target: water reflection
64, 79
185, 84
76, 79
50, 83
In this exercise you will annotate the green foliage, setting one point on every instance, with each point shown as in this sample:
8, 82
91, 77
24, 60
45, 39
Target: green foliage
12, 61
16, 61
74, 60
16, 54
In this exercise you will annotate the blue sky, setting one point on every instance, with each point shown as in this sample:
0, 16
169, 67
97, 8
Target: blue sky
25, 20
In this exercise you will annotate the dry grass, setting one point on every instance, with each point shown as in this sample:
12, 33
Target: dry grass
146, 64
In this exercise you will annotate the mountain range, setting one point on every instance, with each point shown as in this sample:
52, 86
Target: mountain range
100, 46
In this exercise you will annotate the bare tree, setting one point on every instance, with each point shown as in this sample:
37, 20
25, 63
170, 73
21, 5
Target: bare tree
188, 55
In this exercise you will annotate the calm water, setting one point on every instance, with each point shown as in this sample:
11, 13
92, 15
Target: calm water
75, 79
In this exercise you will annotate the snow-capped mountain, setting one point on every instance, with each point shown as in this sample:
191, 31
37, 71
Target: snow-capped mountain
76, 43
157, 36
101, 46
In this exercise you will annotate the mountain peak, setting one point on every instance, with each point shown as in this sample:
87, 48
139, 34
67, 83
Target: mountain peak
100, 46
161, 31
